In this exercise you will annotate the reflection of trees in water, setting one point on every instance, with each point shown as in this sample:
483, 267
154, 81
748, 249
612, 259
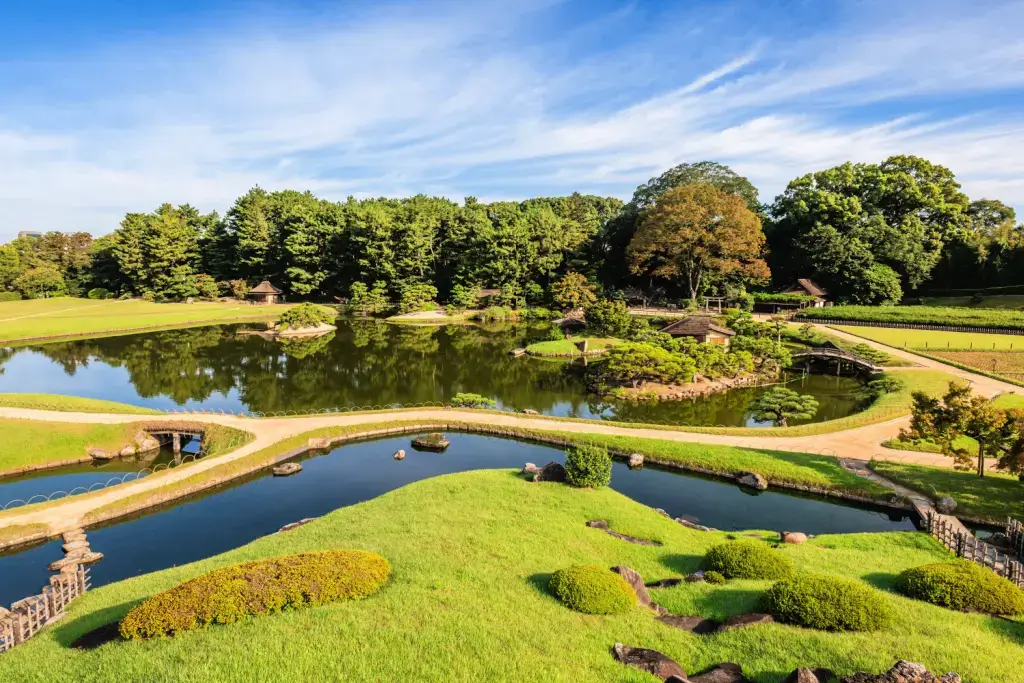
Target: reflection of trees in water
6, 355
369, 363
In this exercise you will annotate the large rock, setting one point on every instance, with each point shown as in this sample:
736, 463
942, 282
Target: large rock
633, 578
697, 625
745, 621
794, 537
553, 471
74, 559
805, 675
127, 451
903, 672
75, 545
287, 469
318, 443
665, 583
100, 454
434, 441
651, 661
296, 525
598, 524
692, 525
399, 454
753, 480
635, 460
723, 673
945, 505
145, 442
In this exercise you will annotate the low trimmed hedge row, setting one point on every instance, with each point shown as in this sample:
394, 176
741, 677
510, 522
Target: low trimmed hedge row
921, 315
962, 585
828, 603
592, 589
230, 594
747, 560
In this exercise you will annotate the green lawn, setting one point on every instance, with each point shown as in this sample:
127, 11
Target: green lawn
1012, 301
27, 442
74, 404
567, 347
994, 497
63, 317
931, 339
471, 554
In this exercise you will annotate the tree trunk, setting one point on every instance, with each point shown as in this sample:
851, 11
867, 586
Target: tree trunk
782, 421
981, 460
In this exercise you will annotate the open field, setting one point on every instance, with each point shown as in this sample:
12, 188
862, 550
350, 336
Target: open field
460, 589
920, 315
993, 497
65, 317
935, 340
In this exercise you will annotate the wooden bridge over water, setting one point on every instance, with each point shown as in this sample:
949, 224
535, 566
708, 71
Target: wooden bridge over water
840, 356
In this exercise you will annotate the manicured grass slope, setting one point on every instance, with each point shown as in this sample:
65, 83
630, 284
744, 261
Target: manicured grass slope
471, 556
27, 442
74, 404
70, 317
993, 497
565, 347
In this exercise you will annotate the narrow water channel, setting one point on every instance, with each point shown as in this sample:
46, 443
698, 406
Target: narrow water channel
239, 513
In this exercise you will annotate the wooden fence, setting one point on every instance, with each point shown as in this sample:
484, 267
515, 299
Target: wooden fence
28, 616
1015, 534
951, 534
910, 326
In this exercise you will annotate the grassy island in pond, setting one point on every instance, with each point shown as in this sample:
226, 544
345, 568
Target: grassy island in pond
460, 589
570, 347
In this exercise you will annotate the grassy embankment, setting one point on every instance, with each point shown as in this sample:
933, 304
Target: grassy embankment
1009, 301
471, 554
71, 404
66, 317
992, 498
988, 318
567, 347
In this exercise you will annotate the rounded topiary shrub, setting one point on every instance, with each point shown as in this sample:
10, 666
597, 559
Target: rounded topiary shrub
828, 603
99, 293
714, 577
962, 585
230, 594
747, 560
592, 589
588, 466
304, 315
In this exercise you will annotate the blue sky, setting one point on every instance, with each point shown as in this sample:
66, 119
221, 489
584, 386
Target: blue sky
114, 106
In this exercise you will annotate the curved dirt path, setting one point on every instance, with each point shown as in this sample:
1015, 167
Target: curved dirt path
855, 444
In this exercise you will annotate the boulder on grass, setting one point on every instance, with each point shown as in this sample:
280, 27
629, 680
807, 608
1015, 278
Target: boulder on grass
598, 524
745, 621
903, 672
753, 480
696, 625
794, 537
945, 505
553, 471
651, 661
633, 578
723, 673
804, 675
127, 451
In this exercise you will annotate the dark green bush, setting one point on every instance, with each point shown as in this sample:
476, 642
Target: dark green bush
10, 296
148, 296
714, 577
461, 400
592, 589
99, 293
230, 594
828, 603
962, 585
588, 466
748, 560
304, 315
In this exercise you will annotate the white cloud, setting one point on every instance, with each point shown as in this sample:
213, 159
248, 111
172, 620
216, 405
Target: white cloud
478, 101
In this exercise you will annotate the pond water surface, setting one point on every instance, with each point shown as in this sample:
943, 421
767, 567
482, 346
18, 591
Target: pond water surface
258, 505
362, 364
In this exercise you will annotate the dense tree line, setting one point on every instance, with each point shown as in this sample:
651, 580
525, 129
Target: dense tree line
869, 233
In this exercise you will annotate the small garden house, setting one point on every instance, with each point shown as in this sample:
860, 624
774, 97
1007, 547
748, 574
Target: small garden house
265, 293
806, 286
702, 328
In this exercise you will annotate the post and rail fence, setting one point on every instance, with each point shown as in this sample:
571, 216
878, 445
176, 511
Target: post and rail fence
951, 533
28, 616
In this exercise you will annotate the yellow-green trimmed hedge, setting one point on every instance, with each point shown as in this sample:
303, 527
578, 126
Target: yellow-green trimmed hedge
592, 589
962, 585
748, 560
230, 594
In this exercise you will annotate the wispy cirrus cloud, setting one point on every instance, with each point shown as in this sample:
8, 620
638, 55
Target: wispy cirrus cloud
505, 100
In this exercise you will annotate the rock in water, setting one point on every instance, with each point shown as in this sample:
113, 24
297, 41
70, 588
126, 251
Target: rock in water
287, 469
127, 451
633, 578
794, 537
651, 661
100, 454
399, 454
635, 460
71, 560
145, 442
945, 505
431, 442
754, 481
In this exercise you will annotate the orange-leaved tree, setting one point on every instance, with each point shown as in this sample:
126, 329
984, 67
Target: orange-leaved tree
700, 234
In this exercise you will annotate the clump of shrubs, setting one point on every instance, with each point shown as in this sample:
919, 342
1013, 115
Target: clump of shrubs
828, 603
747, 560
714, 577
10, 296
962, 585
230, 594
304, 315
99, 293
588, 466
466, 400
592, 589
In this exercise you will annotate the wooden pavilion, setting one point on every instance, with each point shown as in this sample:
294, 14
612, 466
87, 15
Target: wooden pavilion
265, 293
702, 328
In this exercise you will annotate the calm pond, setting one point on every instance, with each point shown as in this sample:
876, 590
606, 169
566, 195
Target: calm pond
258, 505
362, 364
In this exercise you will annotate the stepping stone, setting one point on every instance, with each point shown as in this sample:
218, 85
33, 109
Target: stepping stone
75, 545
723, 673
651, 661
665, 583
744, 621
804, 675
72, 560
696, 625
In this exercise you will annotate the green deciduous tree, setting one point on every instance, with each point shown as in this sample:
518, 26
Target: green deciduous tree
42, 281
780, 405
573, 292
